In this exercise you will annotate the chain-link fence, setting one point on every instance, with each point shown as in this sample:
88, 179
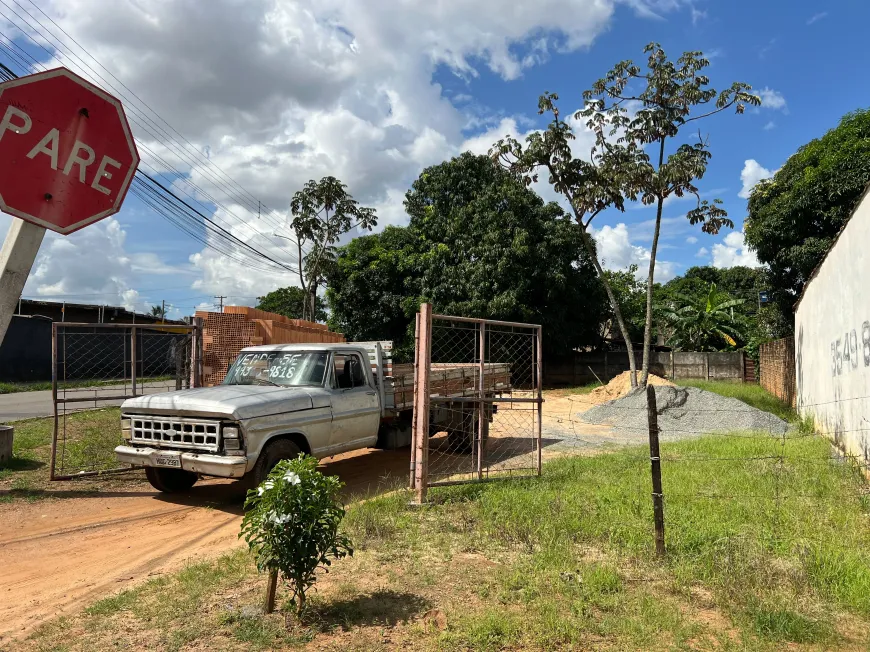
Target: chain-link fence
95, 367
477, 400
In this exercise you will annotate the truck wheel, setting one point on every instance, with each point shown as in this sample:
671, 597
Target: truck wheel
170, 481
283, 449
461, 440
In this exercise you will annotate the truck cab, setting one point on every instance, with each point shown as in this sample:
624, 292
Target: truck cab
276, 402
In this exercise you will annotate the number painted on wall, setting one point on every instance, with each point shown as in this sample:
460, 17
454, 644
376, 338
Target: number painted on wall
845, 354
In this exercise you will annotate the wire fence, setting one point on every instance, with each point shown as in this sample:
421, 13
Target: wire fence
99, 366
479, 416
781, 472
680, 453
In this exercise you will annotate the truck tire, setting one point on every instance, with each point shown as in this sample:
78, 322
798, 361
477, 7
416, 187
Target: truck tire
170, 481
283, 449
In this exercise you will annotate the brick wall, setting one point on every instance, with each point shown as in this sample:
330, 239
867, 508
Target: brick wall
777, 370
226, 334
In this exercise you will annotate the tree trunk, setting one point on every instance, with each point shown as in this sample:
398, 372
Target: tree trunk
647, 327
617, 312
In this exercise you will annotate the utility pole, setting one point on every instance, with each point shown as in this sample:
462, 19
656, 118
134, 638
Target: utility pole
221, 298
163, 313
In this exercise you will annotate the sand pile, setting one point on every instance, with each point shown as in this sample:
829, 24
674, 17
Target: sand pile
619, 386
682, 412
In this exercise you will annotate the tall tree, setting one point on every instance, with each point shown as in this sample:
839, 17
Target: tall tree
795, 216
479, 244
158, 312
322, 212
626, 123
290, 302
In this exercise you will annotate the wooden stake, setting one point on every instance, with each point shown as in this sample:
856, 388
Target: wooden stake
656, 468
271, 588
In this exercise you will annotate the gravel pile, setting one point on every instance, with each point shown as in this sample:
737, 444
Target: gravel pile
683, 412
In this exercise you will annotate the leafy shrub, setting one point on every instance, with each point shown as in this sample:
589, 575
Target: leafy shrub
291, 524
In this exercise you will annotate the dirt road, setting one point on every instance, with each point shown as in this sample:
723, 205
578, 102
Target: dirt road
60, 555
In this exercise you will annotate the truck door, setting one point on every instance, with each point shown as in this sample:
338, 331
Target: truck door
356, 410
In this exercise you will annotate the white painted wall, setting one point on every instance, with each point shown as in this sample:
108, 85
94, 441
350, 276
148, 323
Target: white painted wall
832, 340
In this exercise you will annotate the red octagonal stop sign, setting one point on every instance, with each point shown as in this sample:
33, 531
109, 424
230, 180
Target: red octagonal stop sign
66, 152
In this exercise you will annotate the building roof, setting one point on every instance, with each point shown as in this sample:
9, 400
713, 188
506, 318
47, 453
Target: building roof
119, 310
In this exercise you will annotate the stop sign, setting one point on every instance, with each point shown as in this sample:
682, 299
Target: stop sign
66, 152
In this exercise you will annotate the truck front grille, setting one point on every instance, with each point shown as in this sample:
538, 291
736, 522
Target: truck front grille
170, 432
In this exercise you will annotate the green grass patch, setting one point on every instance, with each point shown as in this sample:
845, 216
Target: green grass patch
89, 441
750, 393
767, 540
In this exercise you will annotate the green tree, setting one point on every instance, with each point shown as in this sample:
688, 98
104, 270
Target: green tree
795, 216
158, 312
619, 168
290, 302
705, 323
373, 288
322, 212
479, 244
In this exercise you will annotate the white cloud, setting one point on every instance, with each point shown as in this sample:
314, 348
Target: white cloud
691, 239
816, 17
733, 252
771, 99
751, 174
92, 266
616, 252
770, 125
702, 252
697, 15
275, 93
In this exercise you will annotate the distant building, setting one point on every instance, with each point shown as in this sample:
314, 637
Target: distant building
25, 353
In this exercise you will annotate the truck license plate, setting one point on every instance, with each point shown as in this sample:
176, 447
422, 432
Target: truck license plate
167, 460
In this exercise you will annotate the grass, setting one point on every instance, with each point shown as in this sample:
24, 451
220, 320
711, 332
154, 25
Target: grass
767, 547
7, 387
91, 437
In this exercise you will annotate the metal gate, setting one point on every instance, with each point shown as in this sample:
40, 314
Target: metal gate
98, 366
477, 400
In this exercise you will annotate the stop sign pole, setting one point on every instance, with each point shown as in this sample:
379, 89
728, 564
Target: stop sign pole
67, 158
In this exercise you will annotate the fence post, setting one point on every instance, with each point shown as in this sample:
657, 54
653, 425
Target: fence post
742, 366
421, 401
540, 354
413, 480
706, 366
656, 468
54, 354
133, 359
481, 407
673, 367
196, 353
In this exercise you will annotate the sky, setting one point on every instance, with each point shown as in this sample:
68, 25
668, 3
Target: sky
238, 103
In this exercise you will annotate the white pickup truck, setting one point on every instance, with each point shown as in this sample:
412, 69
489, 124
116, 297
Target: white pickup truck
279, 400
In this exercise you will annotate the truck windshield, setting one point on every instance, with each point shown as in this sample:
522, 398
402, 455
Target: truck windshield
284, 368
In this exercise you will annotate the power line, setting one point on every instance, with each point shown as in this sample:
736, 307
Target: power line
161, 136
177, 212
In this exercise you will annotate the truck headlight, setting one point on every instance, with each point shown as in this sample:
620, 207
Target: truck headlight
127, 429
231, 438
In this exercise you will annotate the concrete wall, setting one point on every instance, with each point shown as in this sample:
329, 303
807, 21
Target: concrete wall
676, 365
832, 340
